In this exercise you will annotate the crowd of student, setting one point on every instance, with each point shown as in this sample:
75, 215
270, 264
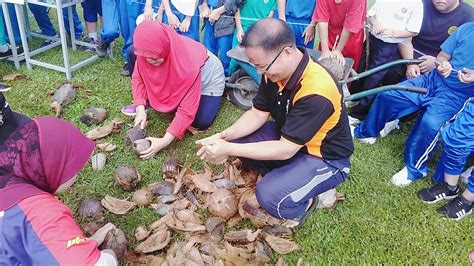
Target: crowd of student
310, 134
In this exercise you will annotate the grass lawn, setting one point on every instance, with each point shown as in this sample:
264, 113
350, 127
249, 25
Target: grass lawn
377, 223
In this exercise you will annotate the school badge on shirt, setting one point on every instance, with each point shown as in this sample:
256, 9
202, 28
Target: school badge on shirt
452, 29
75, 241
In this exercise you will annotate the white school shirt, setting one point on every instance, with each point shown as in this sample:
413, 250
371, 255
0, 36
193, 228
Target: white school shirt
399, 15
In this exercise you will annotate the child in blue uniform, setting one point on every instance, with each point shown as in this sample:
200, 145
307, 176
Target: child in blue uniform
445, 97
458, 145
92, 9
298, 14
183, 16
219, 27
120, 15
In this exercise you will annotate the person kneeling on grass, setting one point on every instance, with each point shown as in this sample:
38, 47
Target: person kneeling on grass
174, 73
305, 151
445, 97
40, 158
458, 145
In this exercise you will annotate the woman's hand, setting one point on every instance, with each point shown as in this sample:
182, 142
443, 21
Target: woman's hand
140, 117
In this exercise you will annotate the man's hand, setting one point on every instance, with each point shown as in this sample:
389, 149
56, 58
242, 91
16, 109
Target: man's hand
214, 150
428, 63
466, 75
140, 117
413, 71
444, 69
184, 27
308, 34
157, 144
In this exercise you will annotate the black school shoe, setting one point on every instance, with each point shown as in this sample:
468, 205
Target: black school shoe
103, 48
456, 209
126, 71
437, 192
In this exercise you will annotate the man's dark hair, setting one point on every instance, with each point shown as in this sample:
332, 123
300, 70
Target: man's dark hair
270, 34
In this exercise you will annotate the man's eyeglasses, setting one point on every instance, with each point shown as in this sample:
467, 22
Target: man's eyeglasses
265, 70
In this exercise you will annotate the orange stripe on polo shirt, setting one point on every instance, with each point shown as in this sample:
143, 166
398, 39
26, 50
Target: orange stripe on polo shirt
317, 81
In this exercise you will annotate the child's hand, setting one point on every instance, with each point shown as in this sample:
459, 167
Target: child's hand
466, 75
214, 16
428, 63
148, 13
205, 10
387, 33
184, 27
339, 57
413, 71
239, 35
308, 34
444, 69
173, 21
377, 27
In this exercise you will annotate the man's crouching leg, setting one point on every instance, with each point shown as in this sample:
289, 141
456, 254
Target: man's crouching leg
286, 192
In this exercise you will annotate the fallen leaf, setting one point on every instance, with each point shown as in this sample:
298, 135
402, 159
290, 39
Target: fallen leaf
280, 245
14, 76
156, 241
117, 206
106, 147
104, 131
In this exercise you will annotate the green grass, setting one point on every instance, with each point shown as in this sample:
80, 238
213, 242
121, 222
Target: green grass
376, 224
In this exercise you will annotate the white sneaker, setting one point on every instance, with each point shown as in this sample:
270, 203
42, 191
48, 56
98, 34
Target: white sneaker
466, 174
370, 140
389, 127
400, 179
353, 121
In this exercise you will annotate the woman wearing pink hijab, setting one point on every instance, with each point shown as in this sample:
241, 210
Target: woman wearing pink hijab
35, 227
174, 74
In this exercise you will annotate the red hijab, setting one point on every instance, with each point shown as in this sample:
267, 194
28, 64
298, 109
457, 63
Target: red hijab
167, 84
38, 156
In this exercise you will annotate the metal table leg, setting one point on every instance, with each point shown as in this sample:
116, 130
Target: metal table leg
24, 41
62, 35
11, 36
72, 30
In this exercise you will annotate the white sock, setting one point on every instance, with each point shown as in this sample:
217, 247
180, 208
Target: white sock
4, 48
93, 35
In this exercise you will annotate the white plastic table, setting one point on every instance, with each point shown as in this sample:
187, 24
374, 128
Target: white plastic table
27, 55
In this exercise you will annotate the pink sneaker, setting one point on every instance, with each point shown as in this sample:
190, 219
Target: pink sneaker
471, 257
129, 110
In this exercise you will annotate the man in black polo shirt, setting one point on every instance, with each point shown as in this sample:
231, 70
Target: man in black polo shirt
305, 150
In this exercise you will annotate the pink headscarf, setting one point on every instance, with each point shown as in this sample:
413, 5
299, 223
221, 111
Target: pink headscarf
39, 156
167, 84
